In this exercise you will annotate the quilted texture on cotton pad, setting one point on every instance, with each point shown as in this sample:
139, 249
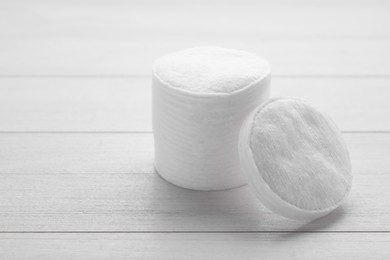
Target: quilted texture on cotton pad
300, 157
210, 69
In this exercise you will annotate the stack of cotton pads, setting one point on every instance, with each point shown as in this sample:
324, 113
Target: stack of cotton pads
214, 128
200, 99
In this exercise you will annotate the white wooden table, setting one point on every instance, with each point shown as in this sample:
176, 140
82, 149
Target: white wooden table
76, 148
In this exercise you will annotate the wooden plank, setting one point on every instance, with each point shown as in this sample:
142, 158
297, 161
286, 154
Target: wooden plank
106, 182
133, 153
124, 104
173, 20
75, 105
195, 246
122, 38
92, 57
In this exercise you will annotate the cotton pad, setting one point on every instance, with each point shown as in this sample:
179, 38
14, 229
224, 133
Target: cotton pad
200, 99
295, 159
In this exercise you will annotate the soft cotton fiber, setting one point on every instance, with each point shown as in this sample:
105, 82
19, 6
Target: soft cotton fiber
211, 70
296, 159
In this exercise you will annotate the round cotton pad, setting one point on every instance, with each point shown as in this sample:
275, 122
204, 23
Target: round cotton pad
295, 159
211, 70
200, 97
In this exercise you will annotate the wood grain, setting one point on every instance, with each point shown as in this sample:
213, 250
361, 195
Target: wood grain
106, 182
106, 104
195, 246
124, 38
173, 20
80, 71
91, 57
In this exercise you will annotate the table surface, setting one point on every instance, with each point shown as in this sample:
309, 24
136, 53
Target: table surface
76, 147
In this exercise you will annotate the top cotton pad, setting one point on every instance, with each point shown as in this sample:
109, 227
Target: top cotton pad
200, 97
295, 159
211, 69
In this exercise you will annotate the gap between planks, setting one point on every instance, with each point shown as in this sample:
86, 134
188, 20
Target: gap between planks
148, 132
203, 232
141, 76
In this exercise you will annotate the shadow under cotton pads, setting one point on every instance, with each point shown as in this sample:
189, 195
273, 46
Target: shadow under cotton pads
200, 99
295, 159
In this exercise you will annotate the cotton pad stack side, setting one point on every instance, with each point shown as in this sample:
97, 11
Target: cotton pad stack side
200, 98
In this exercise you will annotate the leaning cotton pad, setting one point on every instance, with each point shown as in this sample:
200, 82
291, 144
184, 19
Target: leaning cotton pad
200, 99
295, 159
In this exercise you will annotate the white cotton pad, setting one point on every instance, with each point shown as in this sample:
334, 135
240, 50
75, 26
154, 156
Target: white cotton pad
200, 99
211, 70
295, 159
